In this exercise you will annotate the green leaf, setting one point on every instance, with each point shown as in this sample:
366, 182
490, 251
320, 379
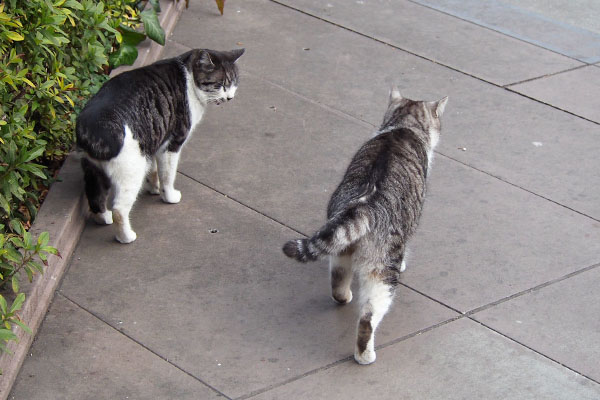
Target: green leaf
4, 203
15, 285
27, 240
152, 26
7, 334
34, 169
35, 153
17, 37
43, 239
50, 249
22, 325
3, 305
74, 4
130, 36
125, 55
16, 305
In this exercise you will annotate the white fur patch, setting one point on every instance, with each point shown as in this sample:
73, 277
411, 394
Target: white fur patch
196, 101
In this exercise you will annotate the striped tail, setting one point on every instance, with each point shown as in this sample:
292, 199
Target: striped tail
333, 238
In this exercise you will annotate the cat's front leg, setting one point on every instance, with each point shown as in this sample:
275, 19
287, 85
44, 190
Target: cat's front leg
376, 295
167, 162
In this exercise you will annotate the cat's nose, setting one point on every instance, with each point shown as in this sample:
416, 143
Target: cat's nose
229, 98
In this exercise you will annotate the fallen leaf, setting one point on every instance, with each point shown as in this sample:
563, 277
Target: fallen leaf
220, 5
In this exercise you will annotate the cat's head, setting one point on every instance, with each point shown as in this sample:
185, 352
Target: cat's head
215, 74
426, 115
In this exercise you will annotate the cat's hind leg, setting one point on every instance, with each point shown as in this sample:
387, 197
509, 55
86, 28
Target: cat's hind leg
127, 172
340, 275
167, 162
376, 295
97, 187
151, 183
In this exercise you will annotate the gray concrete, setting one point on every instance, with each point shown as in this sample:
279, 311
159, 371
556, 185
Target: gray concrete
567, 330
570, 28
511, 226
104, 364
460, 360
576, 91
442, 38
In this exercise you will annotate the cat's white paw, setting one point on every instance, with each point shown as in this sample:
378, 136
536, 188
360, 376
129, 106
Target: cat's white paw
104, 218
367, 357
171, 196
126, 237
344, 298
403, 266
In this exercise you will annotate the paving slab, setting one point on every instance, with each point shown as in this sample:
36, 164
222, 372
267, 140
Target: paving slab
481, 240
541, 23
77, 357
576, 91
442, 38
560, 321
226, 307
460, 360
504, 133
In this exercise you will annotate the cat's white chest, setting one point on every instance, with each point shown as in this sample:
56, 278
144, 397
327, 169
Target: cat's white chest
196, 103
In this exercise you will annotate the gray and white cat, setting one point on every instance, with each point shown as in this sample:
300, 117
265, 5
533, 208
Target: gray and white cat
374, 211
133, 129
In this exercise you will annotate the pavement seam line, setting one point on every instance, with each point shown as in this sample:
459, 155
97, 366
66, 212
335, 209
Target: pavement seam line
434, 61
544, 76
534, 350
550, 105
533, 289
518, 187
59, 293
242, 204
496, 31
348, 358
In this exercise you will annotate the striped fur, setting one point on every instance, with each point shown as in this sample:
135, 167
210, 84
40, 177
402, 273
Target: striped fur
375, 210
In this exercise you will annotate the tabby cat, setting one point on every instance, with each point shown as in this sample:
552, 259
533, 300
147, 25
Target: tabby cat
374, 211
132, 131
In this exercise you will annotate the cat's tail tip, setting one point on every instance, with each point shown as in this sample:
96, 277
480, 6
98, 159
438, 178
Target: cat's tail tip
299, 250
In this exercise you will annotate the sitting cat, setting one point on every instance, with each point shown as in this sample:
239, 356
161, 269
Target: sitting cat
136, 125
374, 211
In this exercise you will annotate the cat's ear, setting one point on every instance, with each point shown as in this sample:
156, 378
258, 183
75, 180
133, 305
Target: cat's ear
235, 54
439, 106
204, 61
395, 94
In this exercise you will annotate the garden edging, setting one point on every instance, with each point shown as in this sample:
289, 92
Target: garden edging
62, 215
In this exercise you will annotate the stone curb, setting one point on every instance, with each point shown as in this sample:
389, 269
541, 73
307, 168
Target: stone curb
62, 215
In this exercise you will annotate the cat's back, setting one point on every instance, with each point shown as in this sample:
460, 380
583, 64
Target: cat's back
131, 98
387, 169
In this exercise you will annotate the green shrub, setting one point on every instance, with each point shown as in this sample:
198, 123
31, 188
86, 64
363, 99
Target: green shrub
54, 54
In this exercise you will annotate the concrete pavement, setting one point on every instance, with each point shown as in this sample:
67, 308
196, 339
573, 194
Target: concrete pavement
499, 300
